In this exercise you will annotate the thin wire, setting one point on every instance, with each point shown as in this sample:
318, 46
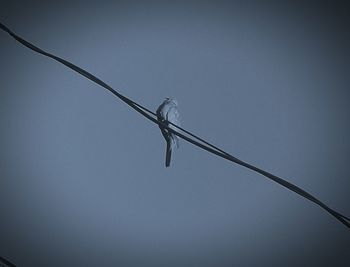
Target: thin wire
200, 143
6, 262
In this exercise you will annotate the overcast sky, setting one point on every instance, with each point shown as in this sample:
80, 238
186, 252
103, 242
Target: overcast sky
82, 176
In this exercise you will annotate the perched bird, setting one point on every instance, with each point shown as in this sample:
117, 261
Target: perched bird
168, 112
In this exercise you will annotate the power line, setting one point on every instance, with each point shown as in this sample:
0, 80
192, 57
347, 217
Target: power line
195, 140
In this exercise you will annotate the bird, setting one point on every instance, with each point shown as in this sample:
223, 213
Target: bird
168, 112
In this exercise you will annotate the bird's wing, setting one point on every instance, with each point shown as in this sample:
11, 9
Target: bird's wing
173, 116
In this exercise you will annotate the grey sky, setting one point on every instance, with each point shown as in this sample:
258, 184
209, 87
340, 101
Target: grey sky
82, 176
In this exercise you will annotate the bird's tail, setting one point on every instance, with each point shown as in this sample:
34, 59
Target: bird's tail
168, 153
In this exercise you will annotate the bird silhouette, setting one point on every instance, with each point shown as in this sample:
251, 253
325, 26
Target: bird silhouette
168, 112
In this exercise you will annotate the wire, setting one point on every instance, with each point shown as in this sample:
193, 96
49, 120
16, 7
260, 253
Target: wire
195, 140
6, 262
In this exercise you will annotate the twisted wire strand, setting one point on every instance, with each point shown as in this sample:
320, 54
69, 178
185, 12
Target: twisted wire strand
195, 140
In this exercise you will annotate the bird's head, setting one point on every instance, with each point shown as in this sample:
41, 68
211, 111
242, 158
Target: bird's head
171, 99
